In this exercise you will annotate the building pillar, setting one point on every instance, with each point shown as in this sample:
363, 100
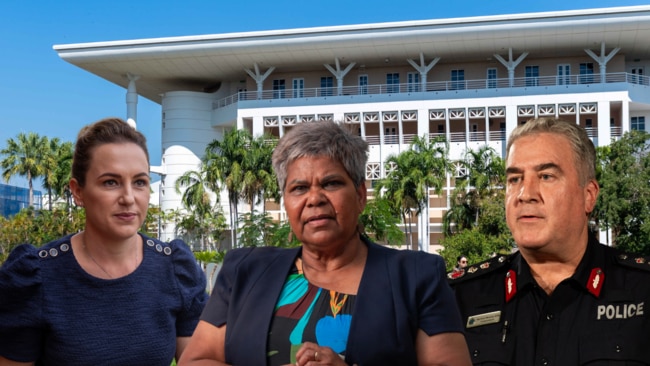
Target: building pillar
604, 128
132, 101
186, 131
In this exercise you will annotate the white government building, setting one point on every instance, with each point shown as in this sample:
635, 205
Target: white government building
470, 79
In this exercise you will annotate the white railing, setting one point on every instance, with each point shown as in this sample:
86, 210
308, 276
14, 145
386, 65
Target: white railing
434, 86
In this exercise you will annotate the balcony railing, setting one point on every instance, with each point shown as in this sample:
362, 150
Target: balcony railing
434, 86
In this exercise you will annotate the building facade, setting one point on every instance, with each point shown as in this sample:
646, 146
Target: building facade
13, 199
471, 80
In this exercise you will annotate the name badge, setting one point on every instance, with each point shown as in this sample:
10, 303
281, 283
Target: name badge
483, 319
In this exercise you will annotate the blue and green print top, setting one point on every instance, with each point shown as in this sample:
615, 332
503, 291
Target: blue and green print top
307, 313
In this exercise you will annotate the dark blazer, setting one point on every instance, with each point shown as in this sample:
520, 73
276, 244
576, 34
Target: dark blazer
400, 292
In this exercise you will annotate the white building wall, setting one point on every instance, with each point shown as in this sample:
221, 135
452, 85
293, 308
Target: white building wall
186, 131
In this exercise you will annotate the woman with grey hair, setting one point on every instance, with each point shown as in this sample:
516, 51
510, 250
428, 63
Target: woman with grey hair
337, 299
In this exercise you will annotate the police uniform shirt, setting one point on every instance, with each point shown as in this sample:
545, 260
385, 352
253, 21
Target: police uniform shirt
599, 316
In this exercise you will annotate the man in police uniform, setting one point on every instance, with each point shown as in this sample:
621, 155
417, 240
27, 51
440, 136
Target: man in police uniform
563, 298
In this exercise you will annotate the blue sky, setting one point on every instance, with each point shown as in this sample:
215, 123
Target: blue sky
41, 93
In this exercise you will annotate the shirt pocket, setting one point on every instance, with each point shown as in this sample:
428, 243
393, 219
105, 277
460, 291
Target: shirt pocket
614, 349
487, 348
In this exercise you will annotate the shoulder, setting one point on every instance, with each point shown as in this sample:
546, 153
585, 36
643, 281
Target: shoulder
630, 261
492, 266
23, 261
400, 255
26, 256
255, 256
24, 267
164, 249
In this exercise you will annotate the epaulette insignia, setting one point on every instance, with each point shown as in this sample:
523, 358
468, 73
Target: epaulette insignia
478, 269
634, 261
456, 274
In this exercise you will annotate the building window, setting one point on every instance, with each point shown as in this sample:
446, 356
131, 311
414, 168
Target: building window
532, 75
278, 88
457, 79
390, 135
586, 73
637, 76
638, 123
298, 88
492, 77
413, 82
392, 81
363, 84
326, 86
563, 74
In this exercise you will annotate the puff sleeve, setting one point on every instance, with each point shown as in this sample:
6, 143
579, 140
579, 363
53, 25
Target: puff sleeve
191, 283
21, 297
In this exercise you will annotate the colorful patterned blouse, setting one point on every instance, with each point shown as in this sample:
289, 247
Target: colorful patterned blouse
306, 313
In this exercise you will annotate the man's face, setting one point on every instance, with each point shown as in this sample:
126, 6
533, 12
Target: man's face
546, 206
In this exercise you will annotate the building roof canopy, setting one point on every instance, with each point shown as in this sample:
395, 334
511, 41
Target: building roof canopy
201, 63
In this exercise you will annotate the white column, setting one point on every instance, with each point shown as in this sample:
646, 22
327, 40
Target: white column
132, 101
604, 128
625, 117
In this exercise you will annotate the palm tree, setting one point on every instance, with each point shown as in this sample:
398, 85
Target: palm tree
24, 157
259, 180
417, 170
57, 163
223, 163
484, 174
196, 197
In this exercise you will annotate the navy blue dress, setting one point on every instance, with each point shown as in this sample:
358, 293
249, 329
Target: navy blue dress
55, 313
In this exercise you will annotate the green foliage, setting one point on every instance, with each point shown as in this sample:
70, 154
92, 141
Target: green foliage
380, 222
624, 177
38, 227
283, 237
475, 245
209, 256
256, 229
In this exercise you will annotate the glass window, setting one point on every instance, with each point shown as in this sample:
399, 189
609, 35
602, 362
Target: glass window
413, 82
563, 74
457, 79
327, 86
492, 77
586, 73
298, 88
638, 123
637, 76
532, 75
392, 81
363, 84
390, 135
278, 88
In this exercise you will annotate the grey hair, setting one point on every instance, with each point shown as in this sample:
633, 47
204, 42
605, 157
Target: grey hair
584, 152
322, 139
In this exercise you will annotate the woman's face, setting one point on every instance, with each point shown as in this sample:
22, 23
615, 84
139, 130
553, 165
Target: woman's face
116, 194
322, 203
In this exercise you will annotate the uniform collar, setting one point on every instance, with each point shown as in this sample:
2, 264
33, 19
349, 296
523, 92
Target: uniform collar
589, 275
